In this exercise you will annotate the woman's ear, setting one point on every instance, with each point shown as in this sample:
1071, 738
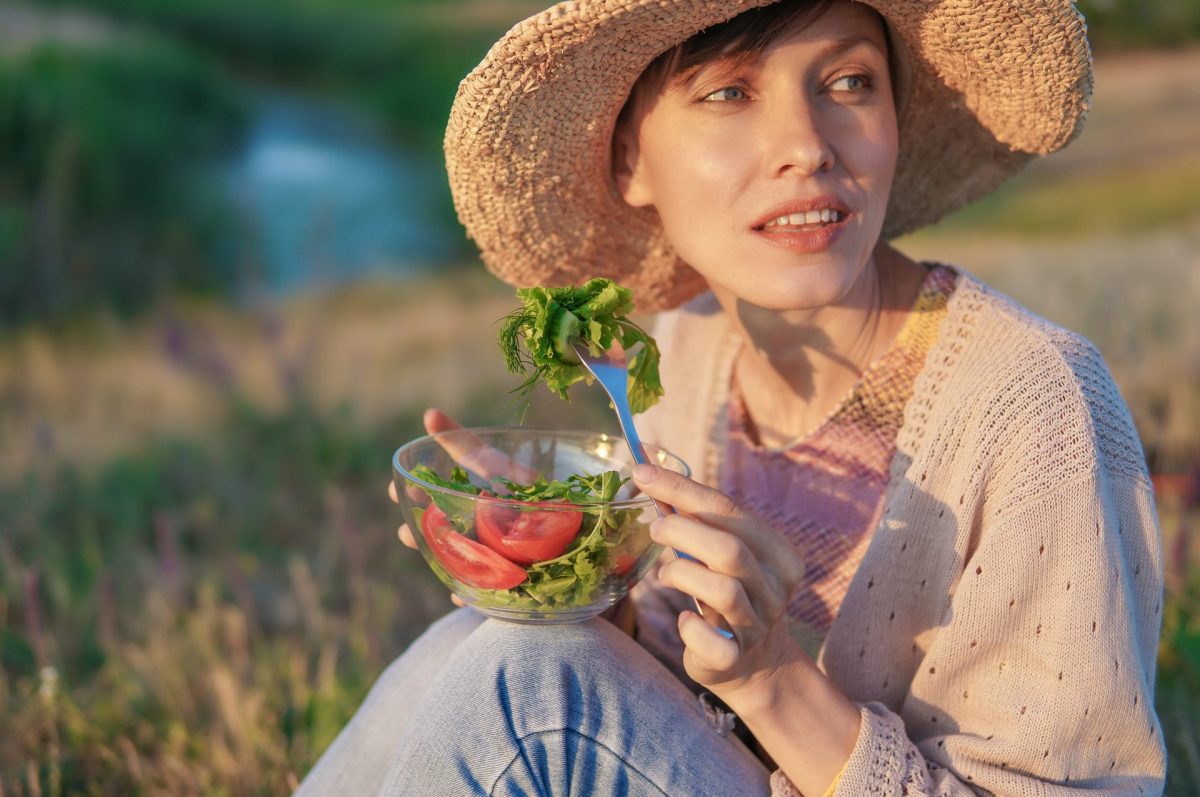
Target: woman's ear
629, 172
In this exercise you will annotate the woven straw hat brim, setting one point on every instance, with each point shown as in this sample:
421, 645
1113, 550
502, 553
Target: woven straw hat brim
988, 85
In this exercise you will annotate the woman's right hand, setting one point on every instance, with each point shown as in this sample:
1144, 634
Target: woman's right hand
435, 421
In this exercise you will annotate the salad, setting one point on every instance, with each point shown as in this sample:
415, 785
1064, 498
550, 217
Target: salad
547, 544
550, 544
551, 321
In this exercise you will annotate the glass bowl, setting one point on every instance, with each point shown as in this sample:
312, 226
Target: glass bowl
528, 561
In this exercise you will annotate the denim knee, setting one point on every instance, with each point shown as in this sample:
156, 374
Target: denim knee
561, 676
565, 709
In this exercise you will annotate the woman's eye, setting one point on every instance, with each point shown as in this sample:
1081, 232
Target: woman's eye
850, 83
726, 94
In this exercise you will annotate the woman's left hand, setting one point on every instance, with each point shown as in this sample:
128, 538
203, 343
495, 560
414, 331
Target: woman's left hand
749, 572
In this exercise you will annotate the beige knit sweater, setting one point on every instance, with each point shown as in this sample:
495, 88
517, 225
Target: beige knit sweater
1000, 634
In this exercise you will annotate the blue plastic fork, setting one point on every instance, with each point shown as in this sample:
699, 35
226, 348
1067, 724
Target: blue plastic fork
611, 371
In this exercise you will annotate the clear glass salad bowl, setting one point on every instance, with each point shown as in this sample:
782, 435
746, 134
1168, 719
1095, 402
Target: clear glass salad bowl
529, 525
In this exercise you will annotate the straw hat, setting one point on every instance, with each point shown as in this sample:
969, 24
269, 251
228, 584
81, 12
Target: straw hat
989, 84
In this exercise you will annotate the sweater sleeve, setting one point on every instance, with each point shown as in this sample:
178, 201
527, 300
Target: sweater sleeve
1042, 682
1036, 675
879, 762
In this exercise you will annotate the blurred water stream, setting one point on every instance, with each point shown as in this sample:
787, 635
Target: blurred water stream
324, 197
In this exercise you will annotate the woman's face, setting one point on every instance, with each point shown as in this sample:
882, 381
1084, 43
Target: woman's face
806, 132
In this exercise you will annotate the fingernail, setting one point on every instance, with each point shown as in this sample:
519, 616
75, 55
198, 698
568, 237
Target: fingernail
656, 530
643, 474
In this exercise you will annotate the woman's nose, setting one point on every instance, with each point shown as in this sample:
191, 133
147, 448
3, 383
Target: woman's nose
796, 139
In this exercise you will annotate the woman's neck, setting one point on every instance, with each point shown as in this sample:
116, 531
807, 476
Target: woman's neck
797, 366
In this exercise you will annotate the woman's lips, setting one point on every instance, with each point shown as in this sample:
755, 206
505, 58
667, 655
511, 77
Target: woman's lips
807, 237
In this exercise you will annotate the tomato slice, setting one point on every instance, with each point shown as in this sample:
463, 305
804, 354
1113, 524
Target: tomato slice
526, 536
465, 559
623, 564
626, 555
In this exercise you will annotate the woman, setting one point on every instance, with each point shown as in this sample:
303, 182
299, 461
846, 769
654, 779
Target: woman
921, 509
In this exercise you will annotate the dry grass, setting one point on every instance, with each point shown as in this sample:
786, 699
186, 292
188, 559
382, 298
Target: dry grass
103, 387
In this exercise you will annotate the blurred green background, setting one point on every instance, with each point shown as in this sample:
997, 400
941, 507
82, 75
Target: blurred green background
230, 280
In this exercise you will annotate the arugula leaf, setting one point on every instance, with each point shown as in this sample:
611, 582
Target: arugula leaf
645, 386
460, 510
551, 320
459, 480
577, 489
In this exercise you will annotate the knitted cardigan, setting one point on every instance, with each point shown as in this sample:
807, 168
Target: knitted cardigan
1000, 633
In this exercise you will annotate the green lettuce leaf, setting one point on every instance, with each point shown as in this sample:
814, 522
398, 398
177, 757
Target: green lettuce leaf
540, 335
459, 509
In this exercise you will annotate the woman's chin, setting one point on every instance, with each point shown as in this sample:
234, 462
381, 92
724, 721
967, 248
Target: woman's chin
805, 288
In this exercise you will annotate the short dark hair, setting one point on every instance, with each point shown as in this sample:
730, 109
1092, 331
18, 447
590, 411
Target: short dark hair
739, 40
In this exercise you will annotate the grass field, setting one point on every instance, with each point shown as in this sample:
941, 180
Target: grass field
199, 576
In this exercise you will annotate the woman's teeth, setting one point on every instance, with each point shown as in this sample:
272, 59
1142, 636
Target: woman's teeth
826, 215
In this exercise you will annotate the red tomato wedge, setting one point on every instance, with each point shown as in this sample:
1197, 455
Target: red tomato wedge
526, 536
465, 559
623, 564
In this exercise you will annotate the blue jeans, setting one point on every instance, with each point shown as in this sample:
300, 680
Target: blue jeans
484, 707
